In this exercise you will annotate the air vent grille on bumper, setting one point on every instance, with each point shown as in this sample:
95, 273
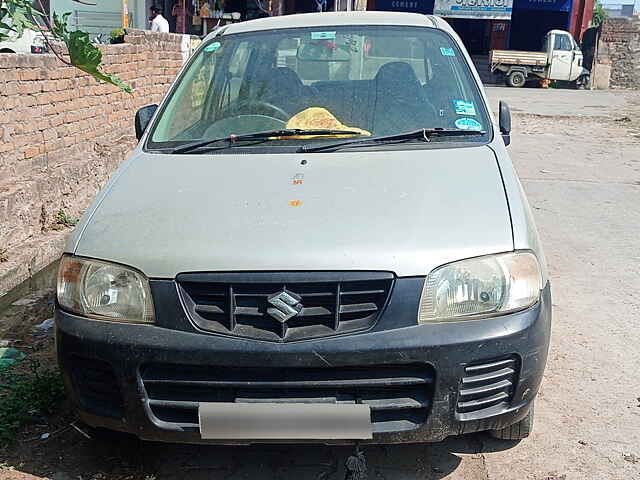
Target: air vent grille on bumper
399, 396
268, 307
487, 385
97, 387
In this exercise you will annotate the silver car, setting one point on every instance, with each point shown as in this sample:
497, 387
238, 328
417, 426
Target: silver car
319, 238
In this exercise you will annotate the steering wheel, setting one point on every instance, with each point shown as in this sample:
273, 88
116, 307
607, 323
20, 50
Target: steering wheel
257, 107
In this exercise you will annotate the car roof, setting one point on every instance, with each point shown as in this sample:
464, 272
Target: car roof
331, 19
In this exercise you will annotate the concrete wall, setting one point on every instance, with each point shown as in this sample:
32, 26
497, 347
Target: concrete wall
618, 56
61, 136
105, 15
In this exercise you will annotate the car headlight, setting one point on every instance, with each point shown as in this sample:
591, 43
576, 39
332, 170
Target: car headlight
481, 287
104, 291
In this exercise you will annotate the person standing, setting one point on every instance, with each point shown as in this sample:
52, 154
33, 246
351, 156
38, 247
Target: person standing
181, 12
158, 22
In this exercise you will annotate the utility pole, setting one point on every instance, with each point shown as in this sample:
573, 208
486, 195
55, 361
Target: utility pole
125, 13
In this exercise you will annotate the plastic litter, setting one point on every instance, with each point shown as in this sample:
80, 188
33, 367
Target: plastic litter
10, 356
24, 302
38, 296
45, 326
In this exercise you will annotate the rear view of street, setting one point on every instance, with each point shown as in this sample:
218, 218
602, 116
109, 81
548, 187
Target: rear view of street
578, 156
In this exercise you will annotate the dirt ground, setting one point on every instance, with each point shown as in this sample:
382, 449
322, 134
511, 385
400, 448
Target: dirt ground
578, 155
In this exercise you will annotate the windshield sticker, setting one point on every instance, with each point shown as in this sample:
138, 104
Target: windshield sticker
350, 43
213, 47
464, 108
447, 52
323, 35
468, 124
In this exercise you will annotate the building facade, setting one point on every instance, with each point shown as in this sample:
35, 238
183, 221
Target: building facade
195, 17
485, 25
101, 16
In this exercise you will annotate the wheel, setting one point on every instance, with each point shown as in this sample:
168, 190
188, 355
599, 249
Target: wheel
516, 79
582, 82
517, 431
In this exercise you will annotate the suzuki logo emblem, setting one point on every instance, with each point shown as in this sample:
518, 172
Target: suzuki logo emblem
285, 306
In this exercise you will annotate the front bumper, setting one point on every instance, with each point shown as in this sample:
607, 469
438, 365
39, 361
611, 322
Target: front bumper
443, 354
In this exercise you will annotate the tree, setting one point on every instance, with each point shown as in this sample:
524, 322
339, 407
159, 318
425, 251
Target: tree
599, 14
16, 16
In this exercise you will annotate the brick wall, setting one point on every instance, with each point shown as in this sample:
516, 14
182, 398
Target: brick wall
619, 52
62, 134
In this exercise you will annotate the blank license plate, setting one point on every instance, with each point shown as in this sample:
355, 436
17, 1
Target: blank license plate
284, 421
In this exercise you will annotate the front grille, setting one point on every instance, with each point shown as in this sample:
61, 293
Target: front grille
285, 307
398, 395
488, 385
97, 387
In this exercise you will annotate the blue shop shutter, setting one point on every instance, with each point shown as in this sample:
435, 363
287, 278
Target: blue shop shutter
551, 5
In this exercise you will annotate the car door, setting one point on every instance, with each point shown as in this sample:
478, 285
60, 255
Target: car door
577, 61
561, 57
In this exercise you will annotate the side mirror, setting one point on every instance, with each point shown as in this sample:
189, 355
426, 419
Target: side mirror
504, 120
143, 117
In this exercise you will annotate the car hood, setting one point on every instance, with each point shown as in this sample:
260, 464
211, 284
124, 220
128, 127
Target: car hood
405, 211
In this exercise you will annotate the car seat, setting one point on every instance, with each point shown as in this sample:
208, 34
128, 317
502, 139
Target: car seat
283, 88
399, 101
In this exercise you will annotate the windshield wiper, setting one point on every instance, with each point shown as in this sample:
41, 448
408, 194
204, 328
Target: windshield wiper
424, 134
288, 132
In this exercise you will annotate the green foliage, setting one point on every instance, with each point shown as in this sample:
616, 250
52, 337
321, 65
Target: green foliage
3, 255
18, 15
599, 14
65, 220
117, 33
26, 394
82, 53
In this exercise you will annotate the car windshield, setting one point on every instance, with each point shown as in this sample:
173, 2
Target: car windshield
371, 80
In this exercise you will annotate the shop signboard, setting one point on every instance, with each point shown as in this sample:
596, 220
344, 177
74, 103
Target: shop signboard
485, 9
418, 6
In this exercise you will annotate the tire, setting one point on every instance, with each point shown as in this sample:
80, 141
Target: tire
517, 431
516, 79
582, 82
